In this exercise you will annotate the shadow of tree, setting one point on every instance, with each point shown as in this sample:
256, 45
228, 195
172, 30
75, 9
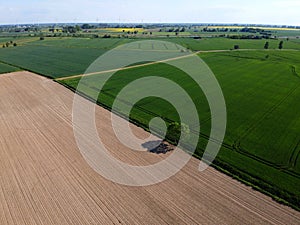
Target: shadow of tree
158, 147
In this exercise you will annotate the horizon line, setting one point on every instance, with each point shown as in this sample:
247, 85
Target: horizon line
148, 23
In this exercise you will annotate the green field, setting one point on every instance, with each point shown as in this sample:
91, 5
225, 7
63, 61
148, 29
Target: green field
50, 61
59, 57
225, 43
4, 40
4, 68
269, 99
96, 43
261, 89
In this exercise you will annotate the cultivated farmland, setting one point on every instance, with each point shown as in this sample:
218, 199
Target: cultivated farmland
4, 68
261, 89
45, 180
57, 57
60, 57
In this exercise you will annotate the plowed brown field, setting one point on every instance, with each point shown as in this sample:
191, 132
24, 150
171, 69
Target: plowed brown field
45, 180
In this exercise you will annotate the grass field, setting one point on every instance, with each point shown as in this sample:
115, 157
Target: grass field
107, 43
4, 68
3, 40
262, 94
249, 86
59, 57
225, 43
50, 60
261, 90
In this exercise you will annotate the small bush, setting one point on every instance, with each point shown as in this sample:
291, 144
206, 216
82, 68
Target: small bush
106, 36
236, 47
176, 130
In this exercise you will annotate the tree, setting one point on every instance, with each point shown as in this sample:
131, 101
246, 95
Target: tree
280, 45
69, 29
42, 38
85, 26
15, 44
266, 45
236, 47
77, 28
7, 44
107, 36
176, 130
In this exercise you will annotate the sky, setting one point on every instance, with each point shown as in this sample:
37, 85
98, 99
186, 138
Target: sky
277, 12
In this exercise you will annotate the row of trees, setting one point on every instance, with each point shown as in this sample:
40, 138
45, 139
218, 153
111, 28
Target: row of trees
176, 30
280, 46
131, 32
7, 44
266, 46
250, 36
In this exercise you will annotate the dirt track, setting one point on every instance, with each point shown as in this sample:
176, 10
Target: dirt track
45, 180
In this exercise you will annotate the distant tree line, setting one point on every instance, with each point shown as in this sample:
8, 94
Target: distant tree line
176, 30
234, 30
212, 30
250, 36
71, 29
